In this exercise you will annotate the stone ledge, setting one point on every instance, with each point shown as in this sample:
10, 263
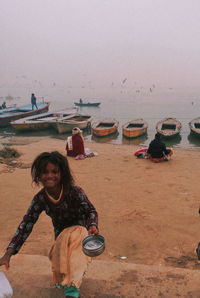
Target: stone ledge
30, 277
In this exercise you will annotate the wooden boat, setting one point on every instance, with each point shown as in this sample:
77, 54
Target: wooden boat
194, 126
42, 121
11, 114
134, 128
65, 124
168, 127
105, 127
87, 104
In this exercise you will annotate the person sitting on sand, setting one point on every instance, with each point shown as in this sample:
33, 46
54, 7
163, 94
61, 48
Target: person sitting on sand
73, 217
75, 144
157, 150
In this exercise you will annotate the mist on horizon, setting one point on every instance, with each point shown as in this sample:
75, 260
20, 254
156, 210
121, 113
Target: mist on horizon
98, 46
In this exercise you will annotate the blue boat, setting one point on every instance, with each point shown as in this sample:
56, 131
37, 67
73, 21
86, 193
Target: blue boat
10, 114
87, 104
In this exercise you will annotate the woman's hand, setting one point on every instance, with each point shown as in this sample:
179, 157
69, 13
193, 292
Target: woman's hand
93, 230
5, 260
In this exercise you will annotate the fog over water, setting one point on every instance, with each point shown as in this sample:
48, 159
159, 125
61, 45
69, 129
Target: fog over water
142, 54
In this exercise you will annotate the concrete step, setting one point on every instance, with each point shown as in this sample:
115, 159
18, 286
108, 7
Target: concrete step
30, 277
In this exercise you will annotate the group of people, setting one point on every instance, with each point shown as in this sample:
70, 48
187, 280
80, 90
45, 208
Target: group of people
73, 215
33, 103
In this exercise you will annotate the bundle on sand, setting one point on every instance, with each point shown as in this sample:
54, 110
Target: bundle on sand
7, 152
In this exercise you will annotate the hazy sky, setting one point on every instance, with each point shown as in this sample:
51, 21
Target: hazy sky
97, 42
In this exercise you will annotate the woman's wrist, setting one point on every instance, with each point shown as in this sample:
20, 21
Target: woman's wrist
9, 252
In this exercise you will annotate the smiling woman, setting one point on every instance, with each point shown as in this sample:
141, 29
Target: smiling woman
73, 217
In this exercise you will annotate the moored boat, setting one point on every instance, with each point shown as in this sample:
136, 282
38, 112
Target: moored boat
87, 104
168, 127
41, 121
65, 124
105, 127
134, 128
194, 126
6, 116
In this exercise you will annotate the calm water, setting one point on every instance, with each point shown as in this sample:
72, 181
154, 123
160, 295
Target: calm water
126, 104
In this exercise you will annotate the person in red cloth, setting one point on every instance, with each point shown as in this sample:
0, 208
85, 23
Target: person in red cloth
75, 144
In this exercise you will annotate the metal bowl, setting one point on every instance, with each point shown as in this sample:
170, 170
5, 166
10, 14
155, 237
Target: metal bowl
93, 245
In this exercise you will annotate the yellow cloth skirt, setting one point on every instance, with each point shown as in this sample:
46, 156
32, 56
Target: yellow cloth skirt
68, 261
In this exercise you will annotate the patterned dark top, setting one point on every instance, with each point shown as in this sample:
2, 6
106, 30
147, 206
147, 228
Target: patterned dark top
74, 208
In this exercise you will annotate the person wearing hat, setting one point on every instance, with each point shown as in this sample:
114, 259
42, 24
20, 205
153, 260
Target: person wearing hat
157, 150
75, 144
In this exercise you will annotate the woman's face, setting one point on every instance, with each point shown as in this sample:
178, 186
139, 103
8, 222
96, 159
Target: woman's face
50, 177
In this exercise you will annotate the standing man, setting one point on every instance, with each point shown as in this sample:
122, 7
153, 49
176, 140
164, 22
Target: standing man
33, 101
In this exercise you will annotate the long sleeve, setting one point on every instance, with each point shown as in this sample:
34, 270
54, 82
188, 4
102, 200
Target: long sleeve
165, 149
25, 227
87, 208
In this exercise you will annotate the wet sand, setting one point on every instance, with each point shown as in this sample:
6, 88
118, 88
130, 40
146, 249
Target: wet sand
148, 212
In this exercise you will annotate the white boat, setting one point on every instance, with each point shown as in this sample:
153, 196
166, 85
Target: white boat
168, 127
195, 126
65, 124
42, 121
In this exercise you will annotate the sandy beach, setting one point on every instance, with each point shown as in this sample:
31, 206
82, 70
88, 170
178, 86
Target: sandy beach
148, 212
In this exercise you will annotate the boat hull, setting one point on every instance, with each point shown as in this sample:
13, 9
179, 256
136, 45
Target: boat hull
134, 128
31, 126
41, 121
6, 118
134, 134
105, 128
94, 104
66, 125
169, 127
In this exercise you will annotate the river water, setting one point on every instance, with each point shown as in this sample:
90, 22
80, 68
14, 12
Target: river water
152, 104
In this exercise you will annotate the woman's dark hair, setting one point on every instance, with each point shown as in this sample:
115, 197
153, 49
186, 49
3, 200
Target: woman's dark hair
157, 136
56, 158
